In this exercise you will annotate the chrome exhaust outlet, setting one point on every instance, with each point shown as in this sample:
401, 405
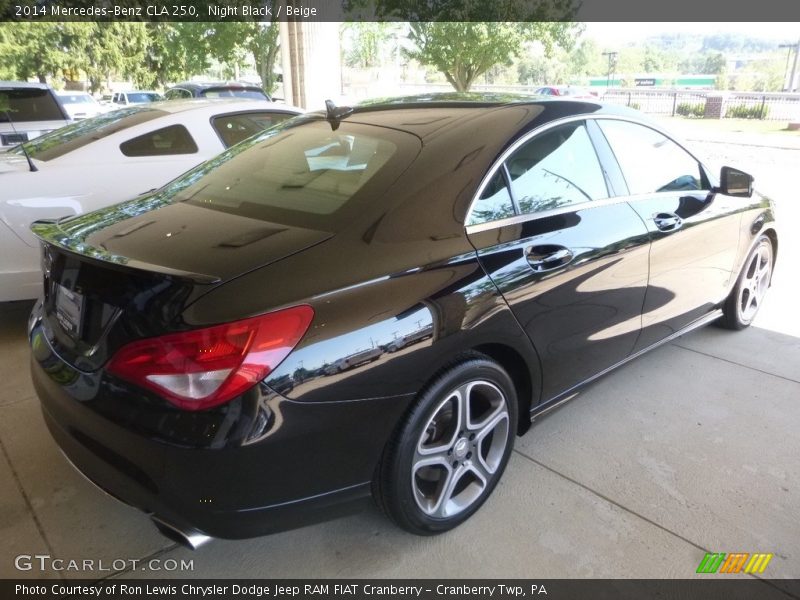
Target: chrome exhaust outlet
188, 538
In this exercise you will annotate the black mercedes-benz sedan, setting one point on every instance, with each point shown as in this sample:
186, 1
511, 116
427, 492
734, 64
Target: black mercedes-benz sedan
374, 301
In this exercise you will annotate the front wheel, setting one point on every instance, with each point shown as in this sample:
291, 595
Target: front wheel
449, 453
745, 299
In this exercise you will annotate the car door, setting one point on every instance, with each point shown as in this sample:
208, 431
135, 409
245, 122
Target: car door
694, 231
568, 256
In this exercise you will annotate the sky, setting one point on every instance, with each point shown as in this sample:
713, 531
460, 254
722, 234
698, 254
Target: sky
613, 34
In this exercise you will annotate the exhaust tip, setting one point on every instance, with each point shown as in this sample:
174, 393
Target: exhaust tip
188, 538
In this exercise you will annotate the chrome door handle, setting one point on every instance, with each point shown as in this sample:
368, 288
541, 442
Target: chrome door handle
667, 221
545, 258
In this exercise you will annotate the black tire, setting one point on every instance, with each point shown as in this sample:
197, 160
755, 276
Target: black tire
478, 449
744, 301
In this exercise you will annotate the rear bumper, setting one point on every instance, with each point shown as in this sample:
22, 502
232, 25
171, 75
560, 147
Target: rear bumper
315, 463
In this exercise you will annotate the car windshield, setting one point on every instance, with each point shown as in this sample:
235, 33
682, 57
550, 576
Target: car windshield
28, 104
143, 97
301, 173
67, 139
76, 99
253, 94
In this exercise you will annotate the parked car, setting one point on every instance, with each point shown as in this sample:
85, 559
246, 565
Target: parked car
566, 90
544, 243
135, 97
218, 89
106, 159
356, 359
80, 105
28, 110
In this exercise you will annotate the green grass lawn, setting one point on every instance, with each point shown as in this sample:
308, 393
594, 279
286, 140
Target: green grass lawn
737, 125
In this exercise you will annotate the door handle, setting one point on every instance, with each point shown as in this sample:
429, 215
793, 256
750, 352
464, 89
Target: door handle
667, 221
545, 258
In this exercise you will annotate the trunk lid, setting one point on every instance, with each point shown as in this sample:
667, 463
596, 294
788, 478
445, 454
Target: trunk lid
126, 272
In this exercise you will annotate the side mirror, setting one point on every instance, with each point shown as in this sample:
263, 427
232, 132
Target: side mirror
734, 182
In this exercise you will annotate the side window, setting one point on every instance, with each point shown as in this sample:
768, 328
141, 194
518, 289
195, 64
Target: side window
557, 168
177, 93
232, 129
174, 139
494, 203
651, 162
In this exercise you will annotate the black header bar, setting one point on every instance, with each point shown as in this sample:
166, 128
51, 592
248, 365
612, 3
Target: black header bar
710, 11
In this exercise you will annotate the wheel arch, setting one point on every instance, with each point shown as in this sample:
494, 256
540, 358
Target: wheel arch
517, 368
773, 238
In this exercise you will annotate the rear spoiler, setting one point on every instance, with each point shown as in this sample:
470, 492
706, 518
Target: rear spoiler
49, 232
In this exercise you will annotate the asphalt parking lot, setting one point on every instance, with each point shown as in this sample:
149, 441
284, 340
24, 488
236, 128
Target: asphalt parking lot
690, 449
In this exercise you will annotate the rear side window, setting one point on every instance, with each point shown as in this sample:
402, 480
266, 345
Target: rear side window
650, 161
73, 137
494, 203
555, 169
174, 139
29, 104
177, 93
233, 129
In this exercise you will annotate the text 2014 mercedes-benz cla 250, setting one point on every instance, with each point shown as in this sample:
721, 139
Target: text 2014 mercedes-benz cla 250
375, 302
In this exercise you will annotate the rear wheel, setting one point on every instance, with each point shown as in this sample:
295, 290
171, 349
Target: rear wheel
451, 450
745, 299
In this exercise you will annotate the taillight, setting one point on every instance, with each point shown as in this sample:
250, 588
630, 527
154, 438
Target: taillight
206, 367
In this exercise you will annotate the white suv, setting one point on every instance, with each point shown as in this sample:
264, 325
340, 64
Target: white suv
28, 110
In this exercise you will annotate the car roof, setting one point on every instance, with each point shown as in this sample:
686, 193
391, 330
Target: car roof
24, 84
213, 105
426, 114
214, 84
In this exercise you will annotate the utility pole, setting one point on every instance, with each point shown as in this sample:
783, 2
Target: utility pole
612, 62
792, 85
786, 83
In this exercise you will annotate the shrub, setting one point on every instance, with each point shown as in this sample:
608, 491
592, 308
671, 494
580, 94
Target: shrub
742, 111
635, 106
689, 109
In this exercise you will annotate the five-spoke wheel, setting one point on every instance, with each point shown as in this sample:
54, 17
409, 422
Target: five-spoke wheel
450, 452
742, 305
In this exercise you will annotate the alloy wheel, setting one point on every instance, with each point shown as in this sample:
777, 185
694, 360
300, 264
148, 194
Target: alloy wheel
460, 449
755, 282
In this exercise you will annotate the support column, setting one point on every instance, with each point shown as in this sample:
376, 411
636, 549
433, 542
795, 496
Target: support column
310, 57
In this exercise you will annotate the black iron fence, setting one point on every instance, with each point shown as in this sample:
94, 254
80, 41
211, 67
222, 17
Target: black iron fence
720, 105
709, 104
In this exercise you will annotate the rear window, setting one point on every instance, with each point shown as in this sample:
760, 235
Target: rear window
252, 93
302, 173
29, 104
77, 135
143, 97
76, 99
233, 129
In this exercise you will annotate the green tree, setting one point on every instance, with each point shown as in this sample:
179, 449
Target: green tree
231, 43
363, 43
463, 51
714, 63
41, 50
112, 49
